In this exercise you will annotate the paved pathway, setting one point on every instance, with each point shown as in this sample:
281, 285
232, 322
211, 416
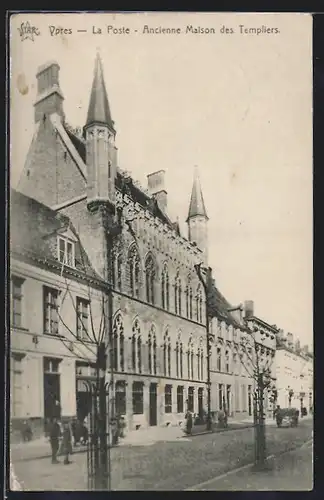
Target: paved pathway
173, 465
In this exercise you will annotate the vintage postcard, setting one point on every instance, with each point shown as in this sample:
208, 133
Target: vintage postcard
161, 333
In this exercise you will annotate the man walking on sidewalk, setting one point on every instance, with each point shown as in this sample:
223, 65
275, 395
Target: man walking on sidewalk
54, 434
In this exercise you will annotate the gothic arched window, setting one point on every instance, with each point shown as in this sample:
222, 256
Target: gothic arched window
167, 354
118, 360
152, 350
177, 294
136, 347
199, 304
198, 363
189, 299
150, 278
165, 288
190, 355
133, 264
118, 264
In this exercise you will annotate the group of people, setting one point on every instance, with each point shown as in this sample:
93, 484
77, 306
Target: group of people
60, 436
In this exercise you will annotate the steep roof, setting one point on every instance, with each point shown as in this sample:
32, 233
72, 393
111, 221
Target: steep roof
33, 232
99, 110
197, 204
219, 307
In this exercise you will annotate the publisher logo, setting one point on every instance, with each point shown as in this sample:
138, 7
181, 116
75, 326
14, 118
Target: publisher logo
27, 31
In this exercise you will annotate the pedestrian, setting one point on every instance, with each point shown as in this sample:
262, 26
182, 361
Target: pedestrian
189, 422
66, 442
26, 431
54, 435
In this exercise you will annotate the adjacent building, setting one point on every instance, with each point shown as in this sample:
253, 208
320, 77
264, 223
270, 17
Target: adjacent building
294, 373
243, 347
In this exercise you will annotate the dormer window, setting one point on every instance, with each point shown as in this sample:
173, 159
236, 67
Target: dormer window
66, 253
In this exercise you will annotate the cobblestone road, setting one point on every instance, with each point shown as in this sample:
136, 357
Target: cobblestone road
163, 466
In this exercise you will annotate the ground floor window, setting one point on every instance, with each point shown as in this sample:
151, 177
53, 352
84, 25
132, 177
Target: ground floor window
179, 399
168, 399
120, 395
137, 393
16, 386
191, 399
220, 396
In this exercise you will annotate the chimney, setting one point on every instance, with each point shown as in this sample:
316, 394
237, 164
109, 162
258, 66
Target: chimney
305, 349
248, 308
49, 95
156, 187
297, 345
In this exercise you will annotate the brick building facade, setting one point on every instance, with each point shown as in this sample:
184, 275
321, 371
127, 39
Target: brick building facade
158, 303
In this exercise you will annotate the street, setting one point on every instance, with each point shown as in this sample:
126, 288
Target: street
176, 465
291, 471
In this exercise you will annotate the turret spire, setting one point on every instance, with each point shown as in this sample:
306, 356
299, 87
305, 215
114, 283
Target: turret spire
197, 205
99, 111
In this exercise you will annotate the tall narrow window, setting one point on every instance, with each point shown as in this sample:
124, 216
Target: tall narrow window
139, 353
219, 359
189, 299
165, 288
199, 304
134, 353
136, 347
16, 385
120, 397
150, 279
119, 264
192, 364
118, 360
227, 366
149, 345
191, 399
181, 360
198, 363
177, 294
179, 399
154, 355
177, 359
51, 311
169, 357
168, 399
220, 396
138, 398
202, 368
17, 296
82, 318
133, 268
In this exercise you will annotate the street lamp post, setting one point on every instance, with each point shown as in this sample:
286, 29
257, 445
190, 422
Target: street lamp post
205, 284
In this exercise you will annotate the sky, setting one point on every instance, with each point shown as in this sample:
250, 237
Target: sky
239, 106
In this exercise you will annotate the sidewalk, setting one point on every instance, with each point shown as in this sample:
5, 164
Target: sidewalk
40, 448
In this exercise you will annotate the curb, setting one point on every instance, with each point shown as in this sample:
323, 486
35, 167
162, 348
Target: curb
199, 486
221, 431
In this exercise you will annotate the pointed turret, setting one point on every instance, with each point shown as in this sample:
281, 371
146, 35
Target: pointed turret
99, 110
197, 217
101, 153
197, 204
